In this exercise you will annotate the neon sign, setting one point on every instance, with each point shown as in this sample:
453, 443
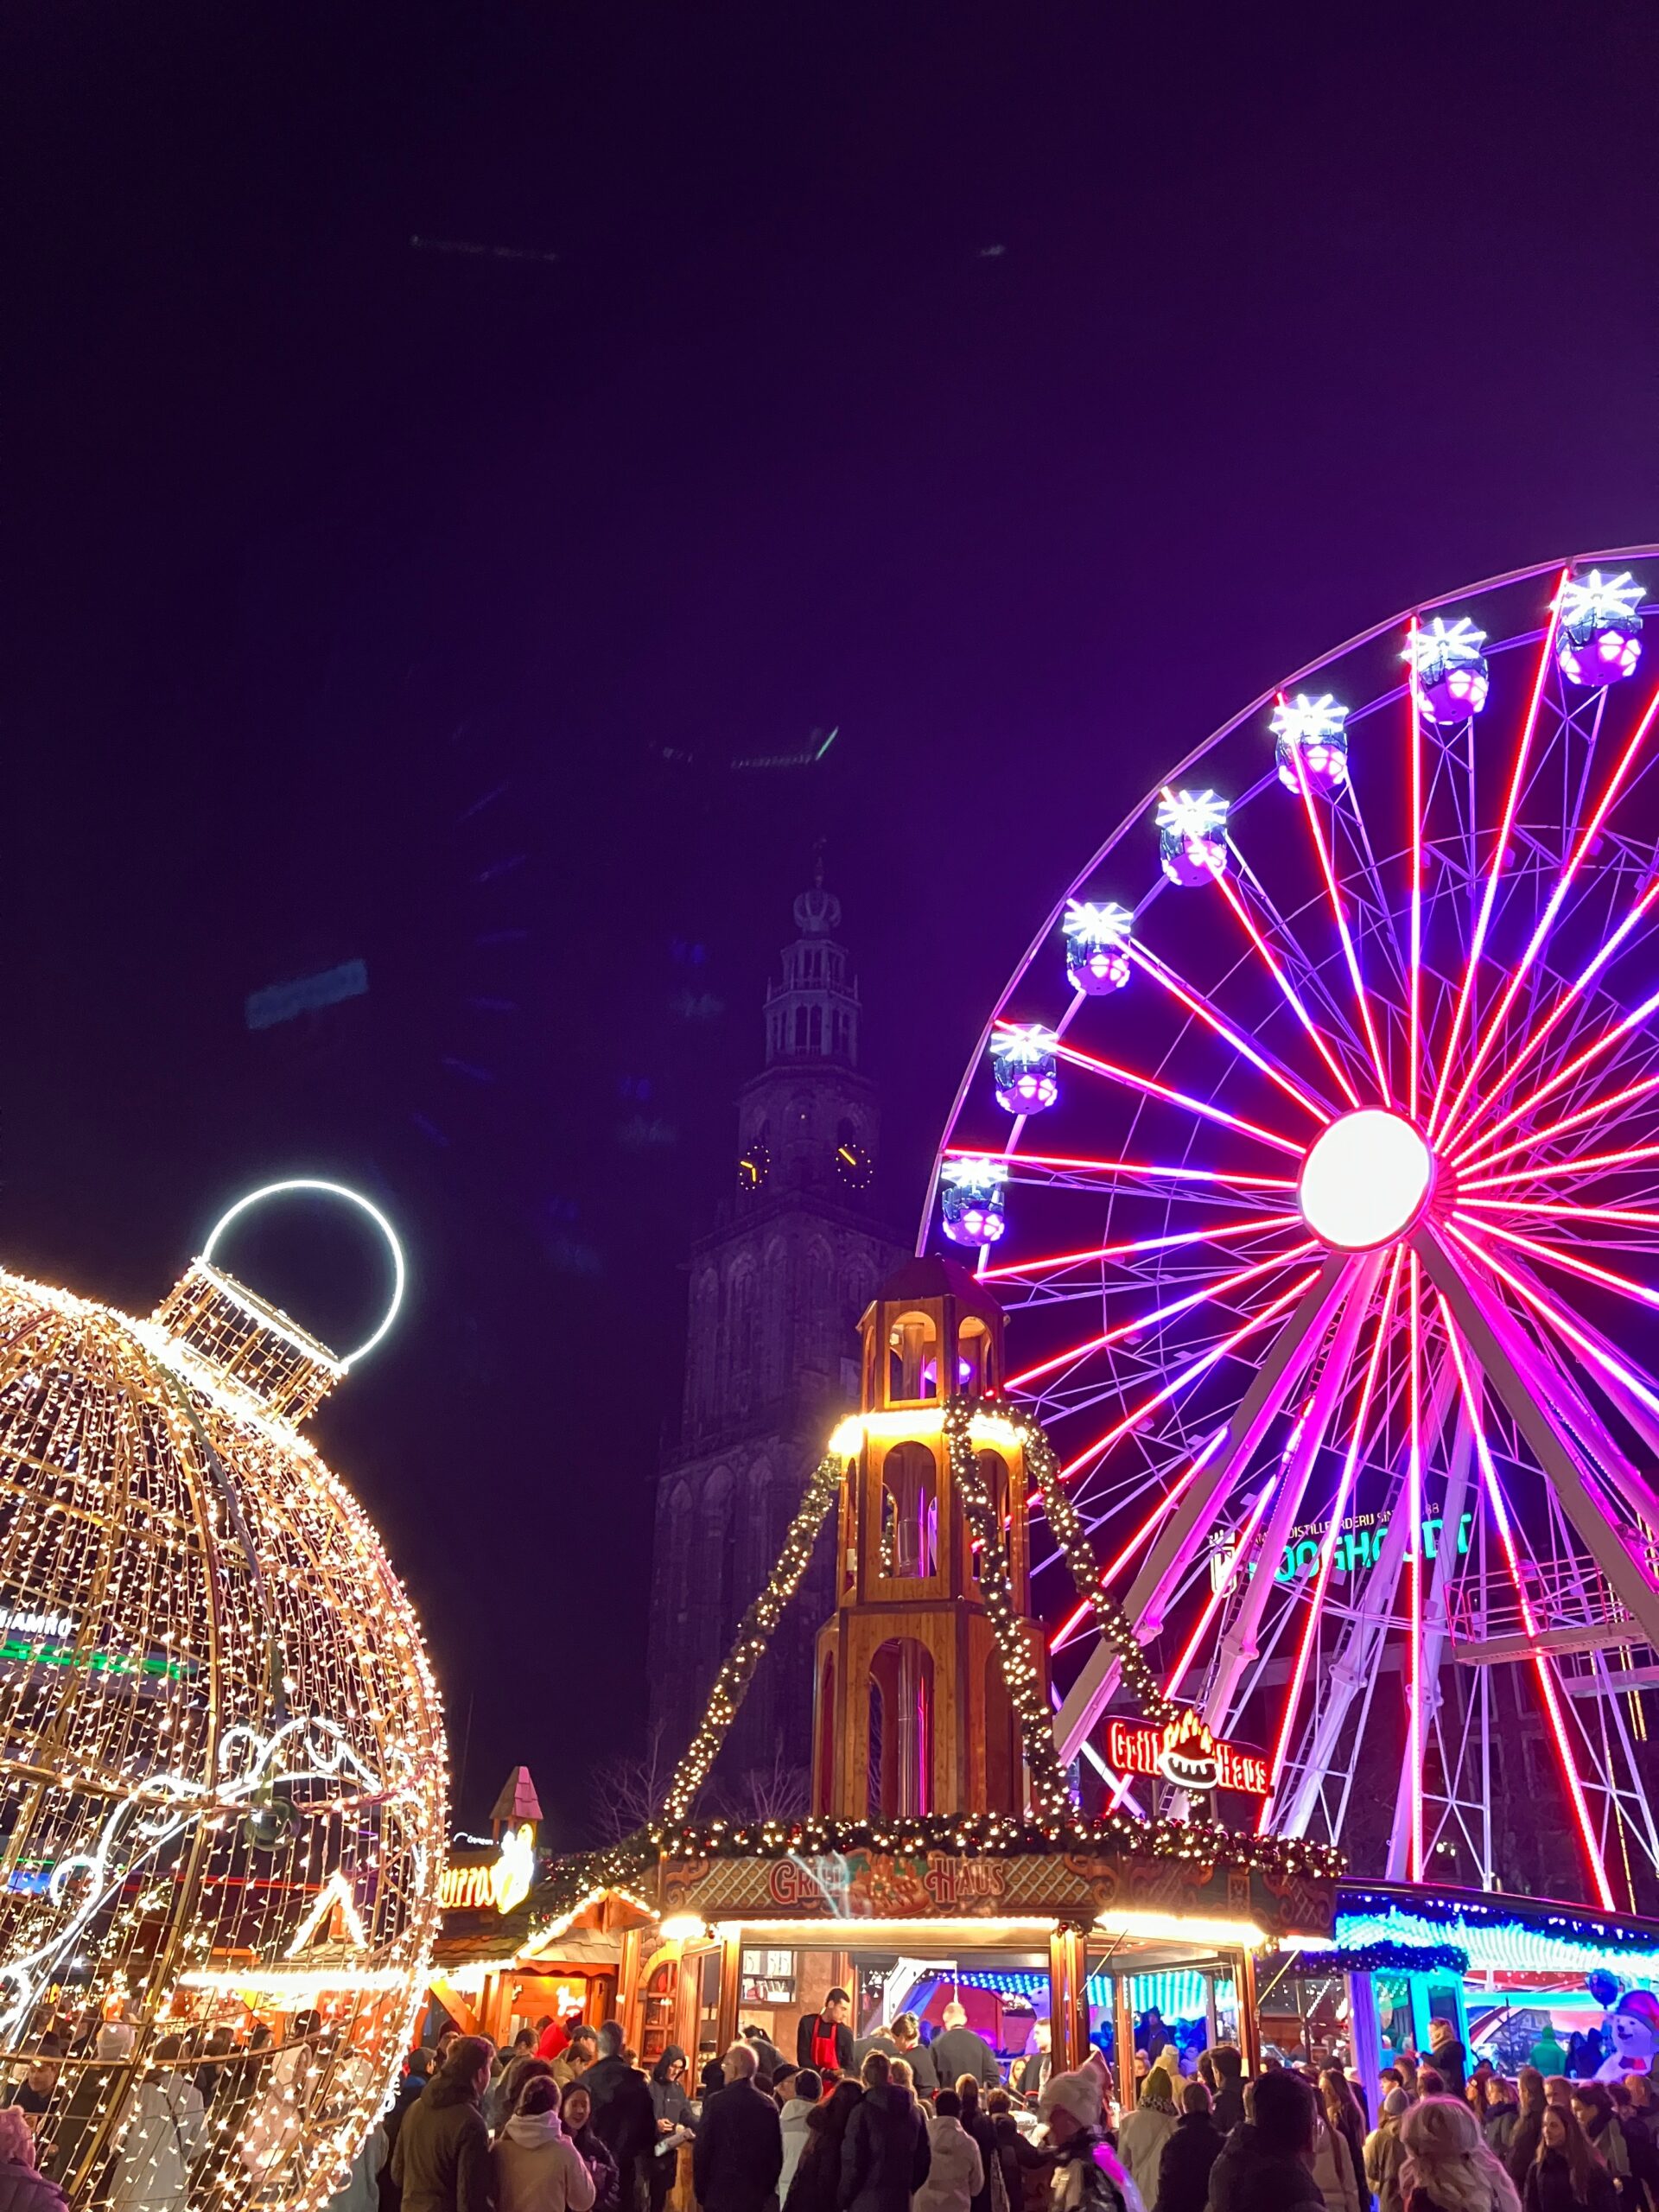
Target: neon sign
1185, 1753
499, 1883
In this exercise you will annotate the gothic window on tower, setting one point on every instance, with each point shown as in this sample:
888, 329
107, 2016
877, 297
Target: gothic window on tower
754, 1161
854, 1162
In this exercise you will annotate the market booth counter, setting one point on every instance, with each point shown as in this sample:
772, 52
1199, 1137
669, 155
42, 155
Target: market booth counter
565, 1949
757, 1924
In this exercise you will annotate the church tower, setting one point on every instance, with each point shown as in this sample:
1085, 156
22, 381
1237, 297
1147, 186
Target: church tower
771, 1358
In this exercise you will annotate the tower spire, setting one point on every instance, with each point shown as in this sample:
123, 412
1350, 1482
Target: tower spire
812, 1014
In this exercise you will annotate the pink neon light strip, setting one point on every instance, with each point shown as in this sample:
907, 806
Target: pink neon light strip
1336, 909
1190, 1375
1252, 1226
1225, 886
1637, 1217
1109, 1574
1415, 1507
1568, 1261
1063, 1162
1590, 1112
1206, 1013
1558, 1321
1156, 1089
1547, 918
1500, 1086
1141, 1322
1545, 1672
1414, 991
1328, 1543
1247, 1537
1578, 1163
1576, 1065
1483, 921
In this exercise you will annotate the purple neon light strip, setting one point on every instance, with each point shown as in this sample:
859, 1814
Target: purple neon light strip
1558, 1321
1339, 913
1196, 1003
1285, 985
1156, 1089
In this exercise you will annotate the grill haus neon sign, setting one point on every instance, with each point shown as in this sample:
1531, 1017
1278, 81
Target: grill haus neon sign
1185, 1753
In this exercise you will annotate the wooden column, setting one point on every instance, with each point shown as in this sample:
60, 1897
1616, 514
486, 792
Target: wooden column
1250, 2024
1068, 1999
731, 1960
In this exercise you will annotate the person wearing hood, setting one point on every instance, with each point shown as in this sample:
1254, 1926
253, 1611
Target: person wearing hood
885, 2155
537, 2168
739, 2153
805, 2086
673, 2109
1142, 2133
1385, 2153
1183, 2171
625, 2119
955, 2171
1088, 2176
1267, 2163
441, 2161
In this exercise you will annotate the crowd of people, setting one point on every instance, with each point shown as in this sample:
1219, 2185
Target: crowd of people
896, 2124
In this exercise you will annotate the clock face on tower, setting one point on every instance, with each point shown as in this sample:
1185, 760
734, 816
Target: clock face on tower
754, 1163
855, 1161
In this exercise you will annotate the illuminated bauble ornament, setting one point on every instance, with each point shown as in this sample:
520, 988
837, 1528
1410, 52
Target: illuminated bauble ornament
222, 1750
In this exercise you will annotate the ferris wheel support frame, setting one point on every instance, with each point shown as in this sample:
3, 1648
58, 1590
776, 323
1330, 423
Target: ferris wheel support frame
1155, 1585
1412, 1793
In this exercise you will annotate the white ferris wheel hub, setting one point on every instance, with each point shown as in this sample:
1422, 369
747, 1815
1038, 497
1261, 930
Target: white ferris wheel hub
1366, 1180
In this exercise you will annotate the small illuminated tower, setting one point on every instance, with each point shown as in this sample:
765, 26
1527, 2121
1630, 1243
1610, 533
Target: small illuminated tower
912, 1715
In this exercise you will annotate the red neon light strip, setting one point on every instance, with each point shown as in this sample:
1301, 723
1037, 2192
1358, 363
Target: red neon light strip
1328, 1544
1637, 1217
1558, 1321
1570, 1261
1207, 1013
1349, 952
1483, 922
1109, 1574
1597, 1106
1302, 1013
1155, 1089
1130, 1167
1580, 1163
1250, 1226
1552, 907
1499, 1087
1246, 1539
1415, 1507
1541, 1667
1593, 1050
1141, 1322
1190, 1374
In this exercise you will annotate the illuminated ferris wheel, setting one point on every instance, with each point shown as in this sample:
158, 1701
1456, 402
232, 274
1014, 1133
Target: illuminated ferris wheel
1313, 1149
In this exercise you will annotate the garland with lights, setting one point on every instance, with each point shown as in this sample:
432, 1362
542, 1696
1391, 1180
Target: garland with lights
1002, 1835
1135, 1673
1050, 1794
1382, 1958
753, 1630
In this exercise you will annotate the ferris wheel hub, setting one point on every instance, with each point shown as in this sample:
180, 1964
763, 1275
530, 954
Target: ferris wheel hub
1366, 1181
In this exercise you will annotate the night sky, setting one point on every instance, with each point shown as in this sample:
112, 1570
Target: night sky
1016, 390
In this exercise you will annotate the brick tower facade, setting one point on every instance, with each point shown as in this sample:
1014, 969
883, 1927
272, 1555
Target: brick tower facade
771, 1358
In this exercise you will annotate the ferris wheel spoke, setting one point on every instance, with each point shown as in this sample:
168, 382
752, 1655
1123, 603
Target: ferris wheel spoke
1287, 989
1414, 979
1196, 1003
1135, 1248
1569, 1262
1328, 1542
1552, 910
1577, 1163
1124, 1331
1595, 1110
1152, 1089
1494, 866
1339, 914
1218, 1595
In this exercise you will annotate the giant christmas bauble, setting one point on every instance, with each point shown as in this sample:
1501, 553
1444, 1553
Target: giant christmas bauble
222, 1755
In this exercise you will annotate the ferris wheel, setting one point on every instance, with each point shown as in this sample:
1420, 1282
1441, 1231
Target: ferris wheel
1313, 1151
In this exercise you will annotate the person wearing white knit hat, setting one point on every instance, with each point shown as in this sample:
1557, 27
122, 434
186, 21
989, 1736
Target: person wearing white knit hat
1089, 2178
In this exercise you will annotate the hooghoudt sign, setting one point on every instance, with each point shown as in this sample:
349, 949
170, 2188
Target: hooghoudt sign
1185, 1753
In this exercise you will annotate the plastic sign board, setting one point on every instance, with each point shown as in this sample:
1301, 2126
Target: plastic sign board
1184, 1753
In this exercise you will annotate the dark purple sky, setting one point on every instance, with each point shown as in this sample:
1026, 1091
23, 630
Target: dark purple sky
1020, 388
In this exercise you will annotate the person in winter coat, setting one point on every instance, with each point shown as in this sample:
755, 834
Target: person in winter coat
1385, 2153
1448, 2168
955, 2172
502, 2096
823, 2040
977, 2122
816, 2184
806, 2089
1035, 2069
1592, 2107
1333, 2168
537, 2168
1142, 2133
1547, 2055
957, 2049
1528, 2124
576, 2111
1499, 2116
623, 2118
1088, 2176
21, 2188
885, 2155
163, 2119
1266, 2164
1567, 2176
739, 2153
581, 2049
1345, 2120
1027, 2171
1448, 2056
907, 2036
1229, 2063
673, 2109
441, 2158
1184, 2174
